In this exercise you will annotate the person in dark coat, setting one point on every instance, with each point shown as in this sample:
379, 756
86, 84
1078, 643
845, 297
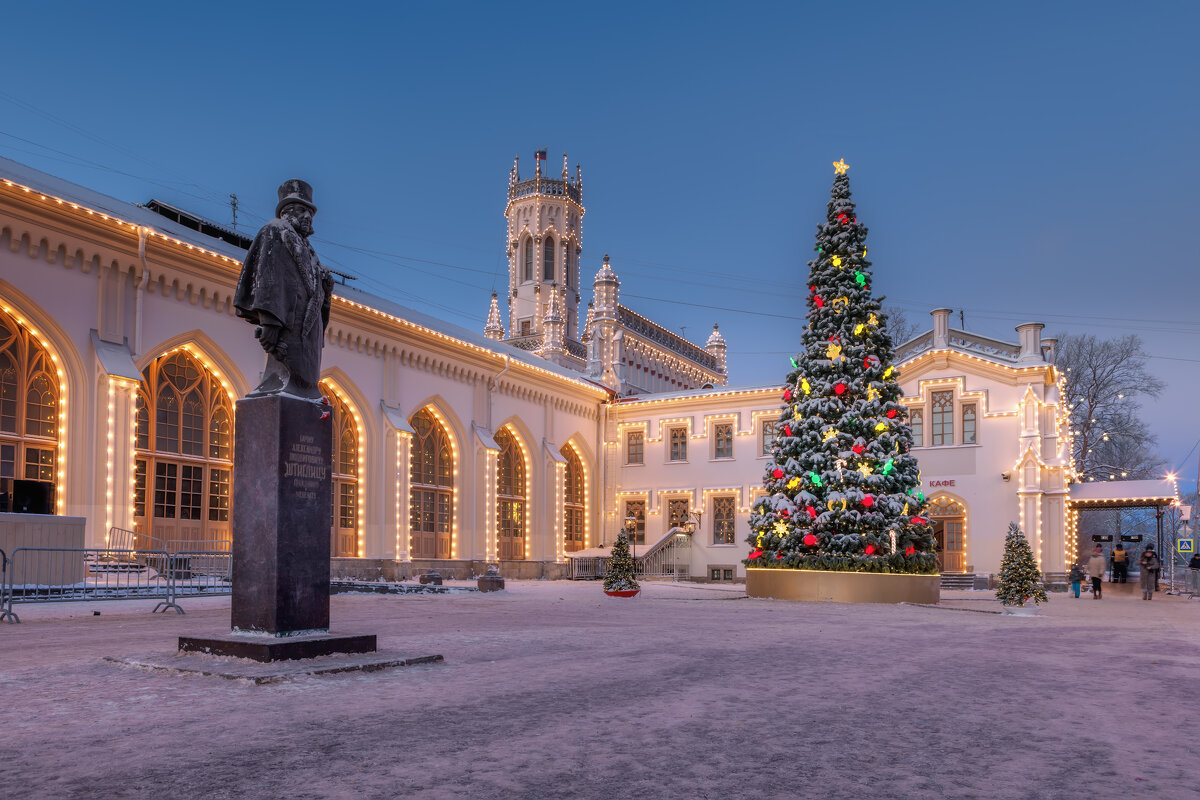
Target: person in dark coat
284, 290
1150, 564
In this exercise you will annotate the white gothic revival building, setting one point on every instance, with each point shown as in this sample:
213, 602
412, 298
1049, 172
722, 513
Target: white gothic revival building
121, 360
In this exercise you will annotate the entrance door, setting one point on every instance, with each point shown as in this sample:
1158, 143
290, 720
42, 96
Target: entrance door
948, 518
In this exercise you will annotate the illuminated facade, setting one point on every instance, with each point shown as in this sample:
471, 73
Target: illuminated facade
990, 436
121, 361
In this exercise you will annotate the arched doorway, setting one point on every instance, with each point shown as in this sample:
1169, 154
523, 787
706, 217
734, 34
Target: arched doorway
431, 501
574, 501
343, 541
29, 421
184, 455
949, 519
511, 497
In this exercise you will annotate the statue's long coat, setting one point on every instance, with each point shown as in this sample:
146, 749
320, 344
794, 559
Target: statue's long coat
282, 280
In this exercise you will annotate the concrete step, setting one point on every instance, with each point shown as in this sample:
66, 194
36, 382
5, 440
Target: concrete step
958, 580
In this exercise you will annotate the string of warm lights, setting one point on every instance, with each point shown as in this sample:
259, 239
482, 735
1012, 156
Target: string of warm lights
361, 478
60, 461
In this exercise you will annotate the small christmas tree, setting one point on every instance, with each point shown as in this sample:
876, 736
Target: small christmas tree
842, 491
620, 574
1020, 579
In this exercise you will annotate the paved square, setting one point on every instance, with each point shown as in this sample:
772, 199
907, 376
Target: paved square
553, 690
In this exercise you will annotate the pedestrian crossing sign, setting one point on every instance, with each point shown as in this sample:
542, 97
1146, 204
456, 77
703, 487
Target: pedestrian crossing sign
1187, 545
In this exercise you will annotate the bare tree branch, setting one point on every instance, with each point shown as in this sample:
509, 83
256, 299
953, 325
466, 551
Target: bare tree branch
1104, 379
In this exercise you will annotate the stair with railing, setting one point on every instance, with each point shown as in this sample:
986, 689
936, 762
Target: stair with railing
668, 558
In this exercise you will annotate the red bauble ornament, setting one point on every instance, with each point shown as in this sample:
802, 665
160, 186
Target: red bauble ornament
809, 539
787, 430
868, 501
778, 556
818, 302
891, 414
918, 520
840, 388
858, 449
787, 395
777, 473
870, 549
910, 550
756, 554
785, 513
812, 512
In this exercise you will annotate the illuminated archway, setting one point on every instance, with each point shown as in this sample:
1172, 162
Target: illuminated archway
574, 501
948, 515
431, 497
184, 455
31, 420
346, 529
512, 497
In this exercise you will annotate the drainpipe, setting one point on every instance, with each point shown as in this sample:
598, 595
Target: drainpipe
140, 289
493, 382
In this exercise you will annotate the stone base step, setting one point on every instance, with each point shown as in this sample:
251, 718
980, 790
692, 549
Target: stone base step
958, 580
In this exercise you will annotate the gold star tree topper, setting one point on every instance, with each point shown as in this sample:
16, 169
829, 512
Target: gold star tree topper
840, 166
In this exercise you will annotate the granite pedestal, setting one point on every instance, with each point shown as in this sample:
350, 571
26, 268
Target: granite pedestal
282, 503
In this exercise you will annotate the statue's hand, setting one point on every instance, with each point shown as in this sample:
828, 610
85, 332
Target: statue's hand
268, 336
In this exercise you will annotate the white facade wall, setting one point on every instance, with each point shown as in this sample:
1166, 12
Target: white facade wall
701, 477
152, 286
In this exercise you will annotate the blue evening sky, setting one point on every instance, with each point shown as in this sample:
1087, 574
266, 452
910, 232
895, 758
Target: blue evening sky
1019, 161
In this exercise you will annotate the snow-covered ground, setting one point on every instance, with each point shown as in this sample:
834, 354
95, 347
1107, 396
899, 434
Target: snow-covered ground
550, 689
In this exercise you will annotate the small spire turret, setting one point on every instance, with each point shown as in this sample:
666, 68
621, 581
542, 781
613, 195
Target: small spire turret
494, 329
716, 346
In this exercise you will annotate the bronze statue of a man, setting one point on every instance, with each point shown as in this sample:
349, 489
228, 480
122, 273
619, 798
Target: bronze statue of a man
284, 290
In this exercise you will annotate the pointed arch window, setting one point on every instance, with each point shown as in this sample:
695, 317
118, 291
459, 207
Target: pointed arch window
510, 491
527, 269
29, 400
431, 497
344, 528
548, 259
184, 455
574, 501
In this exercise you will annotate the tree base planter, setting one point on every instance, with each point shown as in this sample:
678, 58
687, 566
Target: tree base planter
1021, 611
622, 592
842, 587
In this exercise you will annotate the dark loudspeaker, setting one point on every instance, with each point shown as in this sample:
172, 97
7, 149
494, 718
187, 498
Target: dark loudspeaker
33, 497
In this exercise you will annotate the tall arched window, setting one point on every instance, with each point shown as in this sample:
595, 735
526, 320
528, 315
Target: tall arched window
184, 455
28, 418
574, 501
431, 501
510, 491
548, 259
343, 541
527, 270
572, 266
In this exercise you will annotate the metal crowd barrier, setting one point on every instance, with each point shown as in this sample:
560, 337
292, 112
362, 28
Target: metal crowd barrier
57, 574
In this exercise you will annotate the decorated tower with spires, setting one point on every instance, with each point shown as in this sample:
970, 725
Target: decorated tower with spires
842, 488
545, 240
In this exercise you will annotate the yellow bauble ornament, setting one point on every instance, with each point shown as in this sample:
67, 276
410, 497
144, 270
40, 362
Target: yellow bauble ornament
837, 261
833, 352
804, 385
793, 483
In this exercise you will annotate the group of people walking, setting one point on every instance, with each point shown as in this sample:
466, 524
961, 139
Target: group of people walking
1149, 563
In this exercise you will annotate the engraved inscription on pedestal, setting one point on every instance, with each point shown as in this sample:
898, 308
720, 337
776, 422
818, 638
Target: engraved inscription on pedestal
307, 467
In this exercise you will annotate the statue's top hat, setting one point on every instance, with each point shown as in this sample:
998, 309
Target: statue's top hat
295, 191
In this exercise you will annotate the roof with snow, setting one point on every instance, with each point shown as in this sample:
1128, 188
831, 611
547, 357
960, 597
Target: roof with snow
1124, 494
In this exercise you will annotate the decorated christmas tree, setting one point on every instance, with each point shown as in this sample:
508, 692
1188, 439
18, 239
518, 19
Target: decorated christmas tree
1020, 579
620, 574
842, 488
